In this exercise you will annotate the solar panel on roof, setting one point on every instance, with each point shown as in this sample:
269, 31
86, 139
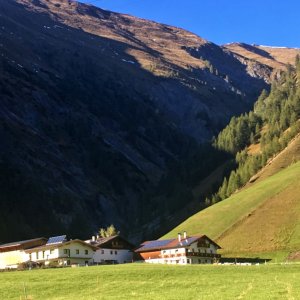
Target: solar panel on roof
56, 240
159, 243
156, 244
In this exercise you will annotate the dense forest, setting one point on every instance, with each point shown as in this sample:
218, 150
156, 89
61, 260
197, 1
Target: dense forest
271, 125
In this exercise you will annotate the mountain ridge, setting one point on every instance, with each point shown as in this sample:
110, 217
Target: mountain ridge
97, 108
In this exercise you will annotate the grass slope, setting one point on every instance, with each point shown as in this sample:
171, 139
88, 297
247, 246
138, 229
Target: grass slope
285, 158
263, 218
141, 281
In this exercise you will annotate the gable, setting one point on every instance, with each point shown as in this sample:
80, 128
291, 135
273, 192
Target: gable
116, 242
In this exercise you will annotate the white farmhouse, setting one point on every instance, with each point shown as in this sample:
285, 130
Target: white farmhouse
112, 250
59, 252
198, 249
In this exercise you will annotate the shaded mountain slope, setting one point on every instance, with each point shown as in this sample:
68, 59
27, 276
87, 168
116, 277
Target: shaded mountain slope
96, 110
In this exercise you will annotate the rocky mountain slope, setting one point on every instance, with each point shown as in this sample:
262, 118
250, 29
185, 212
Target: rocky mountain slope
276, 58
97, 108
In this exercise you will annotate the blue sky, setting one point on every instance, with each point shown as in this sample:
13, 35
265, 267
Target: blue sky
263, 22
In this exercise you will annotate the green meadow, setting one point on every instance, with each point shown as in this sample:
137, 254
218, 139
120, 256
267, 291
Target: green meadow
142, 281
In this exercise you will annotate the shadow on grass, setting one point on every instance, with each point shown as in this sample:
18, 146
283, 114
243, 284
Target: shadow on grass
238, 260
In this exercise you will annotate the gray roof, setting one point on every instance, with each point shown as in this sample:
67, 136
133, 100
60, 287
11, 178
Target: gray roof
19, 243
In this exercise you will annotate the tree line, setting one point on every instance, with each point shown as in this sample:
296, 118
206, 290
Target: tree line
272, 124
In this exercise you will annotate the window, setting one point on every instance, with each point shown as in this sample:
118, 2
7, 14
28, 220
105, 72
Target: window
86, 252
77, 251
188, 260
102, 251
65, 251
116, 252
37, 255
51, 251
111, 252
43, 254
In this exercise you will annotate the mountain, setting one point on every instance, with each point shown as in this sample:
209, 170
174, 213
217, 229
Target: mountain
260, 213
261, 220
100, 110
276, 58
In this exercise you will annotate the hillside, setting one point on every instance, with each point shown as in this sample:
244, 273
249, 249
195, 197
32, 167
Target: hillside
260, 220
260, 211
99, 112
275, 57
285, 158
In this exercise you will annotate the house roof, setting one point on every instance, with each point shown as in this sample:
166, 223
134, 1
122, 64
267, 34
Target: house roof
22, 244
103, 242
172, 243
54, 246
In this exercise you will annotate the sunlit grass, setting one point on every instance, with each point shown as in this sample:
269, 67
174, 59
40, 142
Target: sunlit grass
142, 281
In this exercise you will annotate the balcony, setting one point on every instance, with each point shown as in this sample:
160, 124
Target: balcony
198, 254
203, 245
189, 254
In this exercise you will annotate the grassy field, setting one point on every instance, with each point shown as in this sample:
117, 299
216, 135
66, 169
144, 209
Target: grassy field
263, 219
141, 281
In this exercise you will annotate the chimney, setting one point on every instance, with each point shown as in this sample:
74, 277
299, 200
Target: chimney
93, 238
179, 237
184, 234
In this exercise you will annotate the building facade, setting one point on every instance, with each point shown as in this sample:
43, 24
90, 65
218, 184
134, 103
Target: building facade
184, 250
13, 254
67, 253
112, 250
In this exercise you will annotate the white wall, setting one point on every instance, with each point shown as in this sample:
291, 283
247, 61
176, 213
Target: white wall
121, 256
44, 255
76, 246
11, 259
59, 253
